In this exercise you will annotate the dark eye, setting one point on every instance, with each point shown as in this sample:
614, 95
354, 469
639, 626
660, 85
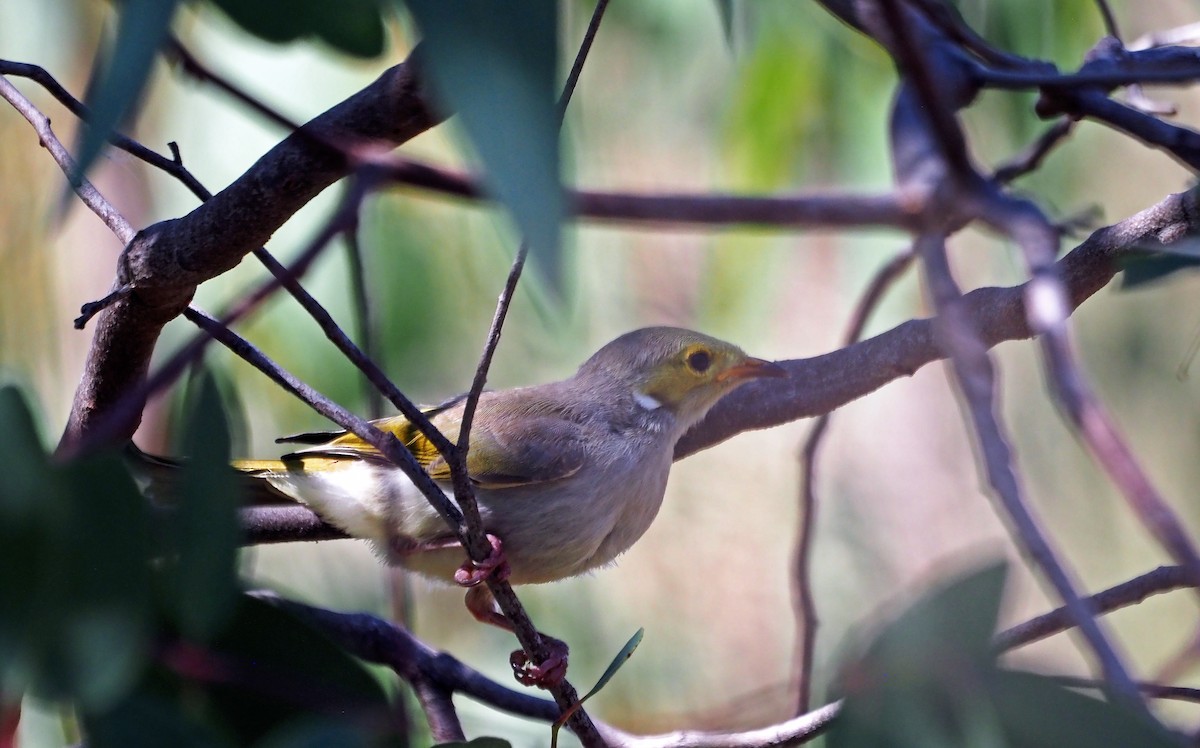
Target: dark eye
699, 361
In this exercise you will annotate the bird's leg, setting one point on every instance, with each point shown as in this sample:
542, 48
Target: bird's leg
549, 672
470, 574
495, 566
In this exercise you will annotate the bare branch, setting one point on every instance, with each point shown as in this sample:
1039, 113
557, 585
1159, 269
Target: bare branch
803, 605
1031, 158
1162, 579
165, 262
974, 375
90, 196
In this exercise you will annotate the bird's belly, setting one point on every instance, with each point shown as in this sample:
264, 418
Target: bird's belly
569, 532
548, 532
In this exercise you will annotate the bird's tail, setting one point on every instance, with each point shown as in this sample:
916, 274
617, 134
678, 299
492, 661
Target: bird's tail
160, 476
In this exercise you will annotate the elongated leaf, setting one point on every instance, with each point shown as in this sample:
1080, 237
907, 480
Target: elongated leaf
75, 618
494, 64
1036, 712
205, 528
141, 28
931, 679
616, 664
351, 26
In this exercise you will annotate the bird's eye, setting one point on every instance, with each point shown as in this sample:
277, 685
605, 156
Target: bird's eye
699, 361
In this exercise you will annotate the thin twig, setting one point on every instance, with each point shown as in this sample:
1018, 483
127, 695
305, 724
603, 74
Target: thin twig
938, 113
444, 725
1030, 159
663, 210
1110, 21
87, 193
1048, 310
971, 363
529, 637
362, 314
43, 78
973, 372
1153, 690
585, 47
377, 640
385, 442
947, 18
191, 65
1132, 592
803, 604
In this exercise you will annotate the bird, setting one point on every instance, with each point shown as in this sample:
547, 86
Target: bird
567, 474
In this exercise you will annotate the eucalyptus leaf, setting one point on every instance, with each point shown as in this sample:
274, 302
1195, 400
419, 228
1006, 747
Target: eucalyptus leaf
146, 720
923, 680
929, 679
494, 65
1143, 269
141, 28
352, 26
283, 671
103, 628
203, 528
314, 733
616, 664
1036, 712
74, 542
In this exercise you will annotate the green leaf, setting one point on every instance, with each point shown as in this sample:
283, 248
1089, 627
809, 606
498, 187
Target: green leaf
352, 26
279, 670
204, 527
923, 680
267, 680
616, 664
147, 720
494, 65
955, 622
103, 640
27, 494
314, 733
929, 679
733, 15
1156, 261
74, 541
1039, 713
141, 28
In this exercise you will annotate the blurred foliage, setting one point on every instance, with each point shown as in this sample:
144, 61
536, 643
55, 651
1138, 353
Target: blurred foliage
1160, 261
351, 26
750, 96
930, 678
495, 66
133, 616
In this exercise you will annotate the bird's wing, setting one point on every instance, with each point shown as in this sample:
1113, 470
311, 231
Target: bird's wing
544, 448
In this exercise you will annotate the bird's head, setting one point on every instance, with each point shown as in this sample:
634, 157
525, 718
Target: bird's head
678, 370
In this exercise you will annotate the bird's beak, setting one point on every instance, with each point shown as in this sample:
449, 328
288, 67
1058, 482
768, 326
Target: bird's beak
752, 368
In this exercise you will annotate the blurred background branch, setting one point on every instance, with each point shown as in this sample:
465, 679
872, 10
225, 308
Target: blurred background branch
766, 131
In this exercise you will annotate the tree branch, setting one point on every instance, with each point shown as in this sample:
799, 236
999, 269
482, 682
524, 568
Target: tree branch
165, 262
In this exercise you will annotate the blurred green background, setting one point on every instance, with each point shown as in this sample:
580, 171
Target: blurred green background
794, 101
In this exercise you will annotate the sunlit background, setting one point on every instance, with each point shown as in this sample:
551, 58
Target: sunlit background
790, 101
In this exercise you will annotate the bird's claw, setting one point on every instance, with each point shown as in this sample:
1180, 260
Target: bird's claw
546, 674
495, 566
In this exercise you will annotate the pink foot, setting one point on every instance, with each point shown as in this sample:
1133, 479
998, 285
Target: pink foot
495, 566
546, 674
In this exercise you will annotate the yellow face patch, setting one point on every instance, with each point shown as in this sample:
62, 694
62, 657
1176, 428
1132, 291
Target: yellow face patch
694, 368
